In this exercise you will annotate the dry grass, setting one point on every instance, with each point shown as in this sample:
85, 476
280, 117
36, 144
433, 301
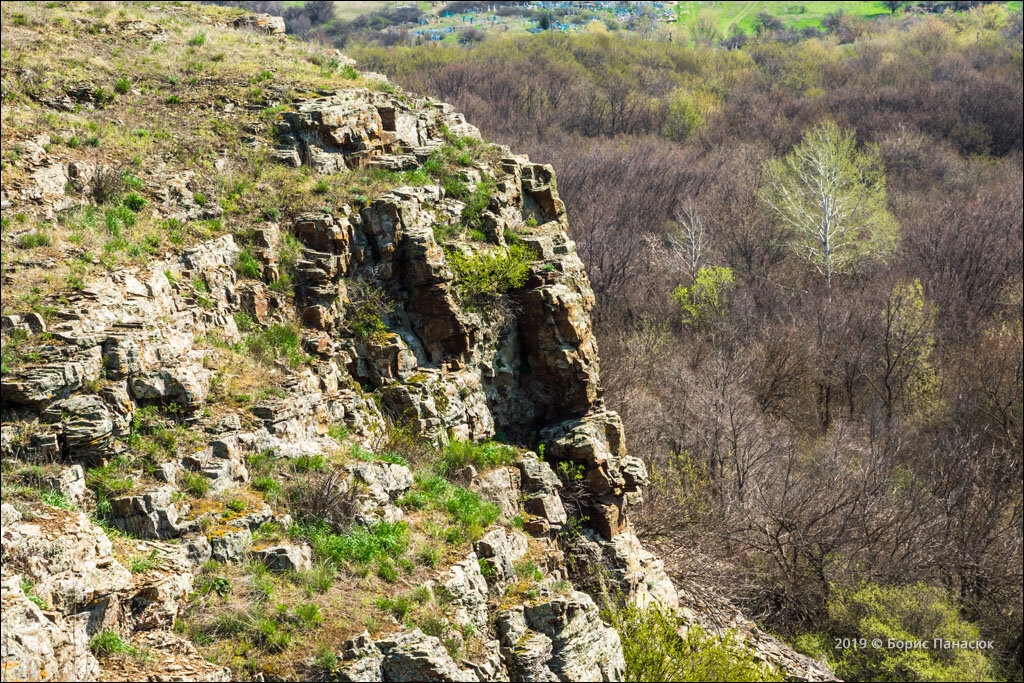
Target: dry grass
171, 104
349, 606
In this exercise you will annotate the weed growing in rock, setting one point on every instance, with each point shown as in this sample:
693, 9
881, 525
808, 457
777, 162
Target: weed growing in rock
248, 266
195, 484
360, 453
278, 342
110, 643
309, 463
27, 588
483, 456
368, 306
146, 563
483, 276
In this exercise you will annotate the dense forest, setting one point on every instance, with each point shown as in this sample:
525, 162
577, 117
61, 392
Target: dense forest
834, 425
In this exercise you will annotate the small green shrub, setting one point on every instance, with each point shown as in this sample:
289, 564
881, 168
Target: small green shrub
421, 594
111, 480
529, 571
366, 310
102, 96
134, 202
270, 487
655, 651
433, 625
359, 453
122, 86
319, 578
243, 321
309, 615
278, 342
325, 660
141, 565
338, 432
309, 463
705, 299
213, 584
27, 587
482, 276
261, 464
271, 636
476, 204
913, 613
429, 556
198, 40
399, 607
471, 513
387, 570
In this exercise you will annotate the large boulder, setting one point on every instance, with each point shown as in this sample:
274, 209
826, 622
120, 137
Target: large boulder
335, 132
501, 487
559, 637
186, 384
86, 424
36, 648
41, 384
466, 591
408, 655
230, 543
284, 558
501, 549
261, 23
542, 501
152, 514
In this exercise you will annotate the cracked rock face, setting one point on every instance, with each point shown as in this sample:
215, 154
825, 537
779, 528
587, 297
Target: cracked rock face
138, 340
560, 637
35, 649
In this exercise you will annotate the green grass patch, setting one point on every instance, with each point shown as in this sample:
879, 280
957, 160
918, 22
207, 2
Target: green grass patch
146, 563
195, 484
483, 456
109, 643
278, 342
361, 546
469, 513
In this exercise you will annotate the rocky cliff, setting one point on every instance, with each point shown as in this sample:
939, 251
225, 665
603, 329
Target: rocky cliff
356, 431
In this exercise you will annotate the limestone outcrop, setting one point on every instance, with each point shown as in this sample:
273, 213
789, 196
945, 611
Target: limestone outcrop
143, 478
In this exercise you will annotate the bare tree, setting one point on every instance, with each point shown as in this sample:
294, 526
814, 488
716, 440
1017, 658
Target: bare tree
831, 197
688, 238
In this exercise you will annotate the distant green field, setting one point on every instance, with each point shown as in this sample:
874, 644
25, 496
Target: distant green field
727, 15
351, 10
792, 14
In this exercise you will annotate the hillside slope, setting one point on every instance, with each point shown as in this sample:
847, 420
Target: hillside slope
263, 317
